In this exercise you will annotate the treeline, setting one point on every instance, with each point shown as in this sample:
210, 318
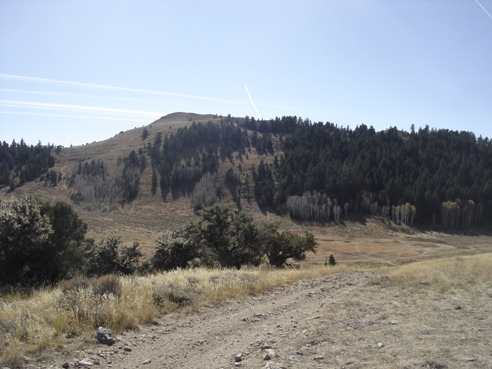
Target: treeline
21, 163
43, 243
425, 168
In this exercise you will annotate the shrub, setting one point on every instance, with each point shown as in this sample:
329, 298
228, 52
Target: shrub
24, 246
177, 294
39, 242
107, 258
281, 246
174, 250
75, 284
228, 237
108, 284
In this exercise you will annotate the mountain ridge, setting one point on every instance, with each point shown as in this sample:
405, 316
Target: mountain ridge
144, 181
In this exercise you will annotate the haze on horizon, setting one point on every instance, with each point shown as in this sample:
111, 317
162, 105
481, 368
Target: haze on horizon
74, 72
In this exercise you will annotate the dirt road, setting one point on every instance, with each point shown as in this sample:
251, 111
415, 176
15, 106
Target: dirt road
242, 334
351, 320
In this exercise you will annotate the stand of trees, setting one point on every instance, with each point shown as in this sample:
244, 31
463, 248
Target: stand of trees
392, 169
320, 172
461, 213
20, 163
182, 158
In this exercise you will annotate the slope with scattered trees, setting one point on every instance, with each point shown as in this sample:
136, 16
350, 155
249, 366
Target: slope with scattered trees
291, 166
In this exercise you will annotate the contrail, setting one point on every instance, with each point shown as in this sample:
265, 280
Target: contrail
86, 117
116, 88
51, 93
79, 108
485, 10
252, 102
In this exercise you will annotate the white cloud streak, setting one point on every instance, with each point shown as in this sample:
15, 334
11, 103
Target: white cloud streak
86, 117
252, 102
76, 108
66, 94
115, 88
485, 10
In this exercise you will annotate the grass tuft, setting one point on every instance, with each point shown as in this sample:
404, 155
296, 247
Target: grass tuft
108, 285
11, 354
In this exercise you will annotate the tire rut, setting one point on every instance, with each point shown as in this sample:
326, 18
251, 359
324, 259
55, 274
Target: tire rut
245, 328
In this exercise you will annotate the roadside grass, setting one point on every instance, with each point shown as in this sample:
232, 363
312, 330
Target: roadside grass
428, 314
50, 318
465, 273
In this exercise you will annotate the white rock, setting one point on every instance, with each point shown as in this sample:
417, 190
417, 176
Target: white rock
269, 354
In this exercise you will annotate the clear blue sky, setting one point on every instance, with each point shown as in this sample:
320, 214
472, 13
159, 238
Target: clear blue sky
77, 71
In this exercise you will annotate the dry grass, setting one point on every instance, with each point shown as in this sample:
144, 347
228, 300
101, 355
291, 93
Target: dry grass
465, 273
50, 318
429, 314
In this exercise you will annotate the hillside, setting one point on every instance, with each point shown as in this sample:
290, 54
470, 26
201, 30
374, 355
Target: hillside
144, 181
147, 215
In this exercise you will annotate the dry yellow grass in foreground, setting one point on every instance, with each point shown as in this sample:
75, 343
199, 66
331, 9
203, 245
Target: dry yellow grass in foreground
51, 318
425, 312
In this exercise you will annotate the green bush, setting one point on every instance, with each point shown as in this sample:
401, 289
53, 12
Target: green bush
280, 246
109, 258
174, 250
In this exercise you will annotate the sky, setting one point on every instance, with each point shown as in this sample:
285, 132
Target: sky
77, 71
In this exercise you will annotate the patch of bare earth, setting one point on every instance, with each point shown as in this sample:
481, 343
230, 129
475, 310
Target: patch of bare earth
352, 320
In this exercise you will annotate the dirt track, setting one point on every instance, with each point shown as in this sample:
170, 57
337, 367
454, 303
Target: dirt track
247, 328
341, 321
